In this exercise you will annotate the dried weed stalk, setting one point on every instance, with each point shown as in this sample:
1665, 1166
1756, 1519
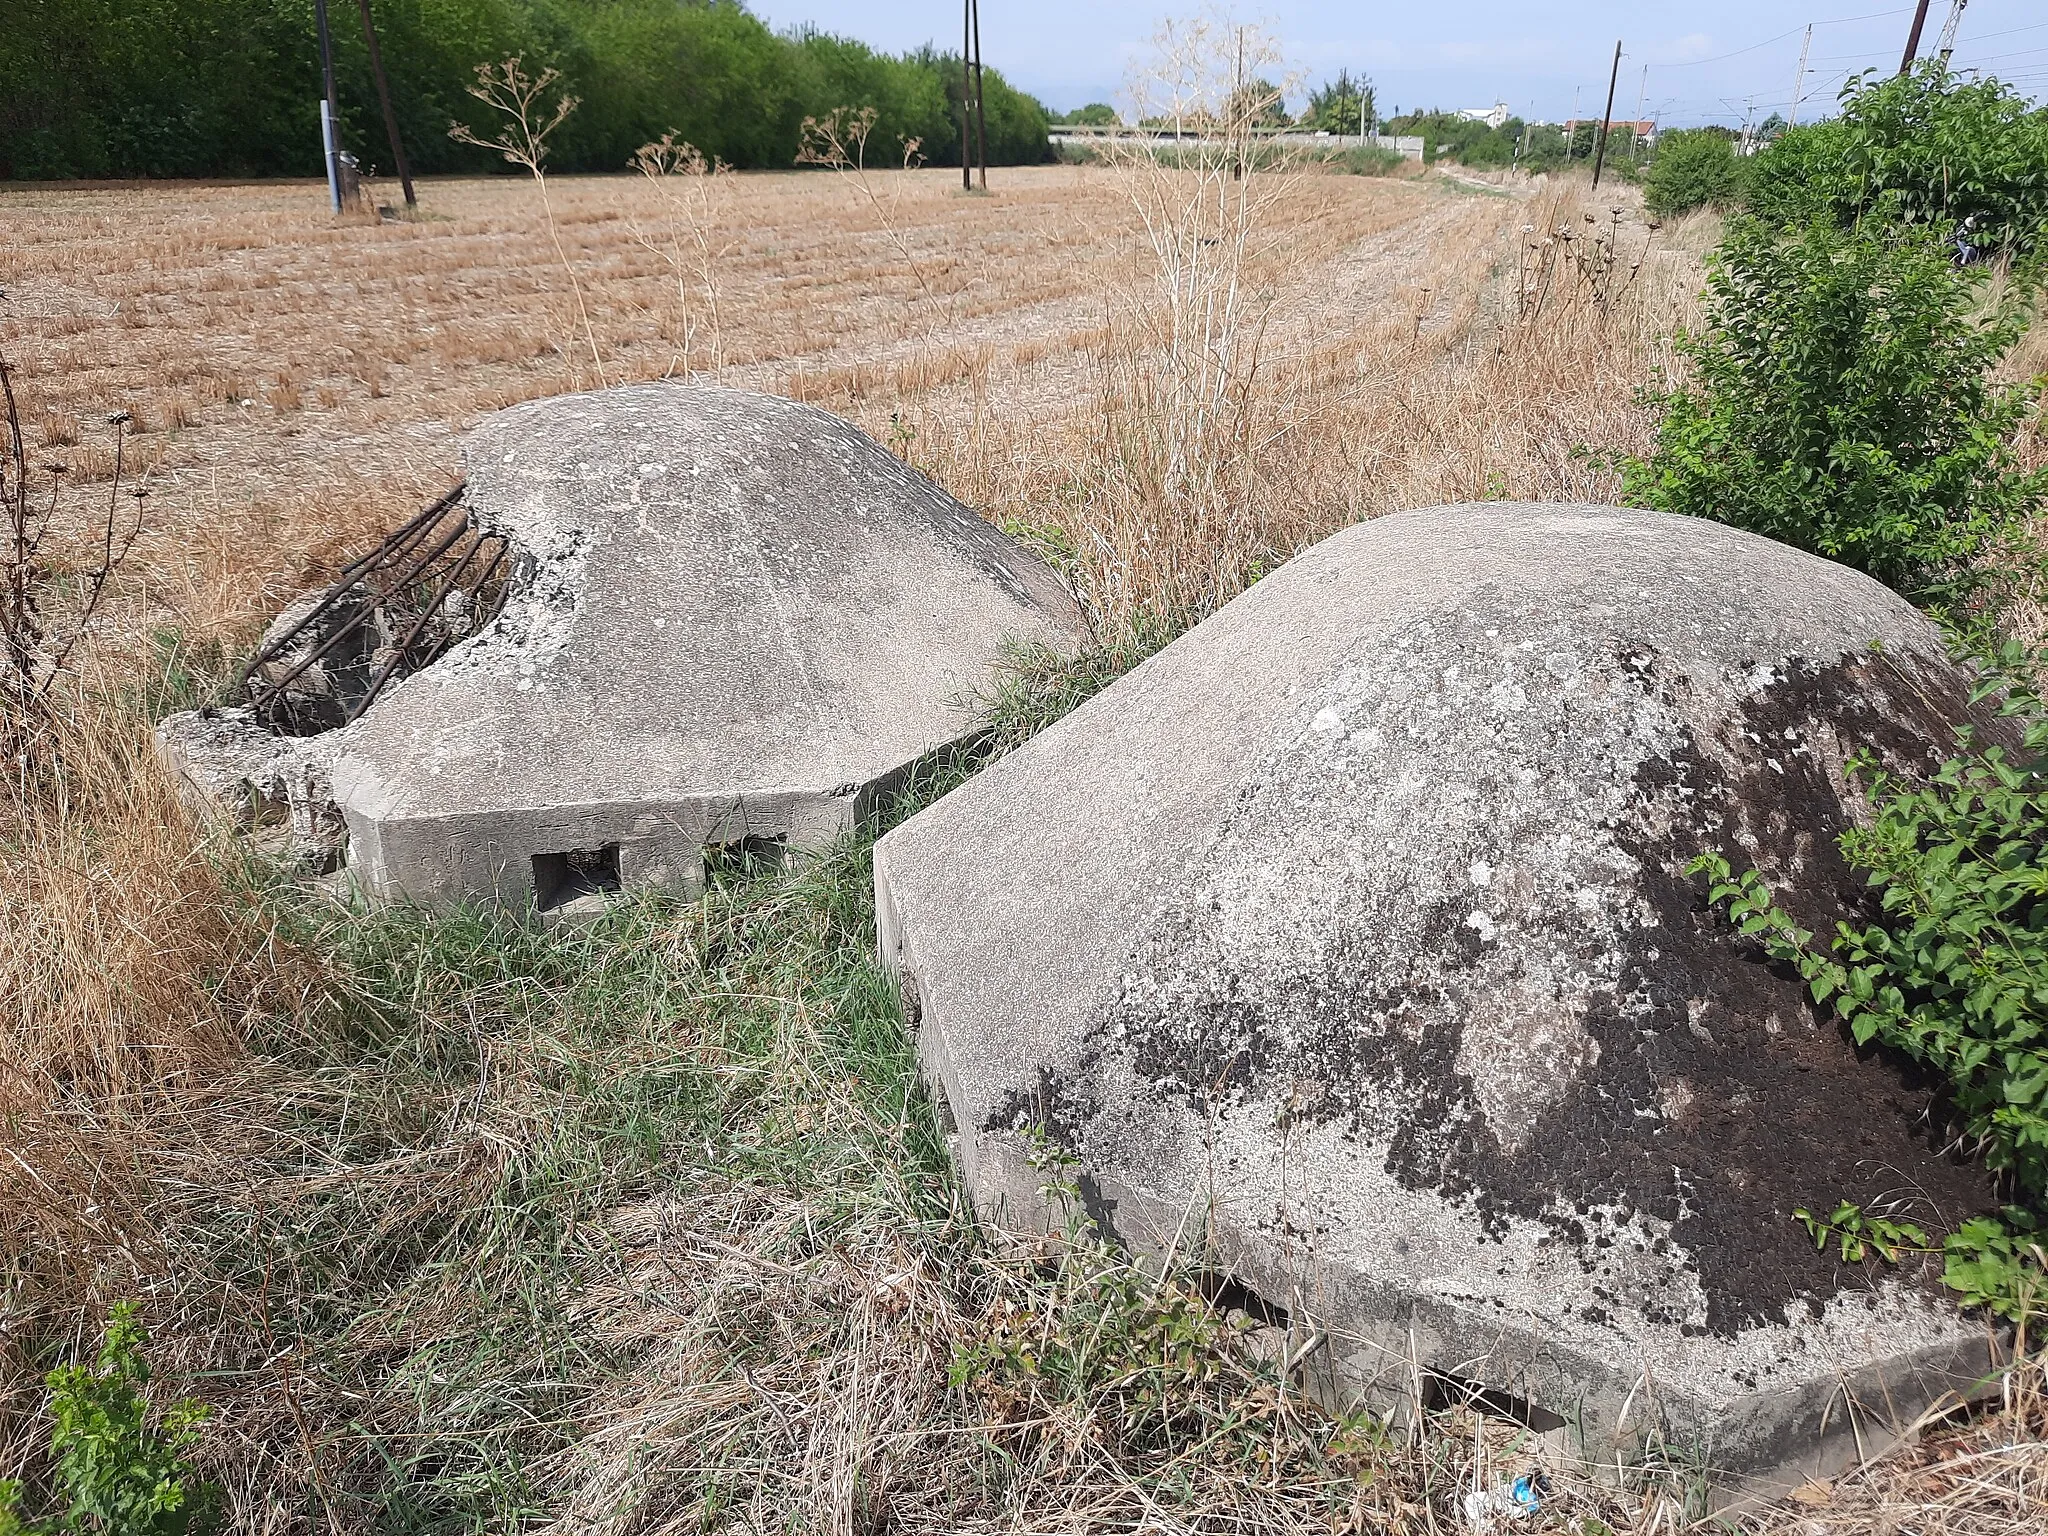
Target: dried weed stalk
838, 141
1184, 421
1565, 270
35, 649
522, 100
696, 194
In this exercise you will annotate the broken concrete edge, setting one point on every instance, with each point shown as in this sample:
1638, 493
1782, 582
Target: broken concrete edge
235, 774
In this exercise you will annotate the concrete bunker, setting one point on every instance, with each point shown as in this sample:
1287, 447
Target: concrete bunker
1352, 929
684, 623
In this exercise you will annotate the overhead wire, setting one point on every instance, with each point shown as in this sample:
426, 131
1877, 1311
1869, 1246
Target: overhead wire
1794, 32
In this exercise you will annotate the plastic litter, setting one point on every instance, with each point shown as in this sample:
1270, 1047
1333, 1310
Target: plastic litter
1510, 1501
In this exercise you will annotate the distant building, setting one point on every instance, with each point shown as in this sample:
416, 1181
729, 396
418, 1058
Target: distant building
1492, 116
1645, 129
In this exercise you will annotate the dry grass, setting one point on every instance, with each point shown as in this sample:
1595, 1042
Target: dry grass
458, 1225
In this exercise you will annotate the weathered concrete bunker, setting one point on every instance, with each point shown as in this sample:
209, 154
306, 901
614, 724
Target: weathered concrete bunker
1353, 930
735, 620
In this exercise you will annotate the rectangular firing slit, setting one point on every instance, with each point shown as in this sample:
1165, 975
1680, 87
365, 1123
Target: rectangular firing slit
561, 878
745, 856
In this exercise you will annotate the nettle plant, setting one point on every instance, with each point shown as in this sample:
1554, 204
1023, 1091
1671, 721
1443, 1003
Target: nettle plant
1948, 965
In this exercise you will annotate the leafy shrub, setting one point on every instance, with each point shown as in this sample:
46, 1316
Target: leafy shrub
1949, 967
1692, 168
1780, 183
1841, 402
1928, 148
118, 1476
1453, 136
1097, 114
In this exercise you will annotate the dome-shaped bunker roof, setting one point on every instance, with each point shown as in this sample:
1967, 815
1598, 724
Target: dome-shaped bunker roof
1356, 923
737, 616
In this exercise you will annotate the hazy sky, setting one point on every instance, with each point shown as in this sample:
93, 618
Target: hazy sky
1540, 56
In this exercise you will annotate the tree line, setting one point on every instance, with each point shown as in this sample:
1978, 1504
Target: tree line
136, 88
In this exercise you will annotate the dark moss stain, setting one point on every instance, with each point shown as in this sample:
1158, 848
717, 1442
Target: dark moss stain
1784, 1109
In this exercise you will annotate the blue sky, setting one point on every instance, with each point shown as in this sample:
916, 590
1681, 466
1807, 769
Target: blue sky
1705, 63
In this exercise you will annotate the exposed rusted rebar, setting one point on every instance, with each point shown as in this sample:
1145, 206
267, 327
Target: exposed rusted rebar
387, 585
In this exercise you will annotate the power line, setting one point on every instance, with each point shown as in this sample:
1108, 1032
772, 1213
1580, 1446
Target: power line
1985, 37
1834, 58
1794, 32
1996, 57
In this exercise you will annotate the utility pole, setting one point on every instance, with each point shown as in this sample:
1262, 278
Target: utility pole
980, 109
1799, 80
1635, 133
384, 99
966, 95
1913, 37
1947, 45
1571, 132
330, 126
1606, 117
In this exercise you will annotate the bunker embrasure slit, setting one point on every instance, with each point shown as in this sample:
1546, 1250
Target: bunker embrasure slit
560, 879
745, 855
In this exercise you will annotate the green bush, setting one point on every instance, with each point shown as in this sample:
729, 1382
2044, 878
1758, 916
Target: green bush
1841, 401
1779, 181
1450, 136
1097, 114
1692, 168
1928, 148
116, 1475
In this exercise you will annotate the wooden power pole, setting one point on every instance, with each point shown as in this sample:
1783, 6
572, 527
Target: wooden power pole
384, 100
1913, 37
966, 95
980, 107
1607, 117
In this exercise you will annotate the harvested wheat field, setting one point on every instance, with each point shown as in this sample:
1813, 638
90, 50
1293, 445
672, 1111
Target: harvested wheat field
645, 1226
296, 385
